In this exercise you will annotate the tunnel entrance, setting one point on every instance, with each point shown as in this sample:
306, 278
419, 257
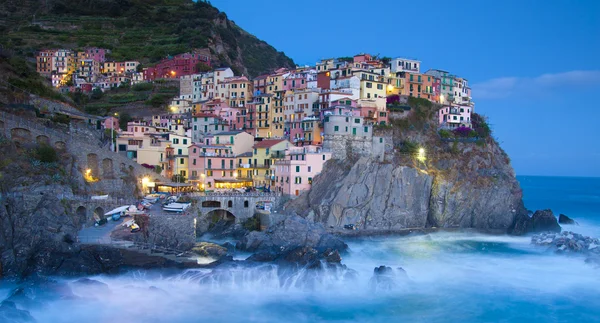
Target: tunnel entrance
220, 221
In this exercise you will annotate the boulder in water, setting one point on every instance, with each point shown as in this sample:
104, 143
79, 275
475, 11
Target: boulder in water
91, 284
207, 249
386, 278
11, 314
544, 220
563, 219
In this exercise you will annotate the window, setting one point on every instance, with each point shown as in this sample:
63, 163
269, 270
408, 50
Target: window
323, 157
380, 140
369, 85
245, 204
336, 128
309, 169
380, 86
179, 152
310, 180
356, 120
297, 169
209, 173
366, 129
194, 161
231, 164
181, 161
185, 141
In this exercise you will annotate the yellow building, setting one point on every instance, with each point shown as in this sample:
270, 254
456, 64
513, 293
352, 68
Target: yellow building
276, 129
263, 111
239, 91
263, 155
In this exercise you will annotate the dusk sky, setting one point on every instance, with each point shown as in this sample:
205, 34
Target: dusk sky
534, 66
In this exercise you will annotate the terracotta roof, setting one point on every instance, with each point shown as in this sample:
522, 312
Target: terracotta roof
267, 143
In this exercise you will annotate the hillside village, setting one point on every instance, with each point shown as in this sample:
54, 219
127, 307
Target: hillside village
273, 132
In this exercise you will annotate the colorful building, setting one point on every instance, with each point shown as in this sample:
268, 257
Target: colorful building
294, 174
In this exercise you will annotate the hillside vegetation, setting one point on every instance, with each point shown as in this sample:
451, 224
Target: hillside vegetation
145, 30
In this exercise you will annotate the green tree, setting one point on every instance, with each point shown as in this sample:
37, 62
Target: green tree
45, 153
158, 169
124, 118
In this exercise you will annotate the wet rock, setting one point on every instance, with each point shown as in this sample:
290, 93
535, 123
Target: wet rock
9, 313
304, 256
207, 249
563, 219
263, 256
544, 220
92, 285
291, 233
385, 278
567, 242
332, 256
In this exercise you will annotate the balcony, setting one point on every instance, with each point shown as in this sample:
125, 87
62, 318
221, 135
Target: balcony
261, 166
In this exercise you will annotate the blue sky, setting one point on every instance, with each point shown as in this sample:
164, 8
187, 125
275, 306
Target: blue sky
534, 66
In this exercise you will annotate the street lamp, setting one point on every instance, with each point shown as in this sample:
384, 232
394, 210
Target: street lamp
421, 155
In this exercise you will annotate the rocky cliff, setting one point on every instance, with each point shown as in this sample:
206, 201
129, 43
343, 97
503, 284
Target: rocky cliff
456, 184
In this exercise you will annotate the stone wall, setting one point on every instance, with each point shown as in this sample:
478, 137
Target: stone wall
117, 174
174, 231
344, 146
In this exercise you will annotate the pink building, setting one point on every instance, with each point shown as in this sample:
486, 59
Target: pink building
294, 174
97, 54
111, 123
213, 167
295, 81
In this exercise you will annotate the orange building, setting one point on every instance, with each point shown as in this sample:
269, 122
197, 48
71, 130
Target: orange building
419, 86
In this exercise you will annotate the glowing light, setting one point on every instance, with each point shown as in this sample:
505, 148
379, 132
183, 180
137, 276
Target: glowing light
88, 171
390, 87
145, 181
421, 154
235, 175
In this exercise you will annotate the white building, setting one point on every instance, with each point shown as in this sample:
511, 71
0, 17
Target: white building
405, 65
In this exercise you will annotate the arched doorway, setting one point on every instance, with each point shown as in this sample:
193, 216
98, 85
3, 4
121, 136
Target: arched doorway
107, 168
220, 220
92, 164
99, 213
81, 213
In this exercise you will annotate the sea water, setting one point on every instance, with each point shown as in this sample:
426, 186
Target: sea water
451, 277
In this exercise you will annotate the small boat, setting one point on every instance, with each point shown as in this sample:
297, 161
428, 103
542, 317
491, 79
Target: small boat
118, 210
116, 216
176, 207
135, 228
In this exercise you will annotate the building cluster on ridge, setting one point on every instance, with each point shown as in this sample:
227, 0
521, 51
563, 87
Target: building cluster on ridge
277, 130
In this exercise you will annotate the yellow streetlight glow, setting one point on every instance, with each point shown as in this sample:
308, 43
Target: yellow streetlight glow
145, 181
88, 171
235, 175
421, 155
390, 87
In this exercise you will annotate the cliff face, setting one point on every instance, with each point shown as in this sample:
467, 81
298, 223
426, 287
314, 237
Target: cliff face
457, 184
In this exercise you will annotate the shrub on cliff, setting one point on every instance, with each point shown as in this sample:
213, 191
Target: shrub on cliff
46, 154
480, 126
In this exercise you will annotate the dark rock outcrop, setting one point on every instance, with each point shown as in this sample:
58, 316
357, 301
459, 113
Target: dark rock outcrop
207, 249
563, 219
386, 278
540, 221
291, 233
544, 220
